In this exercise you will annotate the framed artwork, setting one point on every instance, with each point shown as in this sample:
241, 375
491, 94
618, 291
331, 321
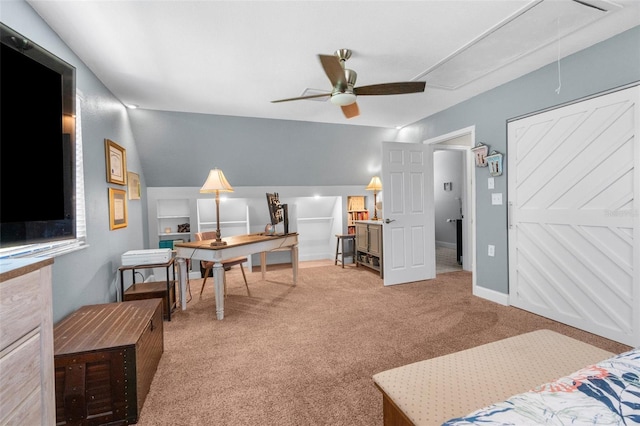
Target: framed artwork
116, 157
495, 163
480, 152
117, 208
133, 185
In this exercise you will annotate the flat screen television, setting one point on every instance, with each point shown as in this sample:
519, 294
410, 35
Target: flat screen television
37, 143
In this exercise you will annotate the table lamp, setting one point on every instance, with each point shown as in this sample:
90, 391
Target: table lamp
375, 185
216, 182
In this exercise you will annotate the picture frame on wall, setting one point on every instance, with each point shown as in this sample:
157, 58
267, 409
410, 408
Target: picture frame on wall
116, 158
480, 152
133, 186
494, 160
117, 208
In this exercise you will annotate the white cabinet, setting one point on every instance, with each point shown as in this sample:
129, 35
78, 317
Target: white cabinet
27, 394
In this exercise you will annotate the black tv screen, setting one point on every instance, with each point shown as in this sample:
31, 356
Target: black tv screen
37, 143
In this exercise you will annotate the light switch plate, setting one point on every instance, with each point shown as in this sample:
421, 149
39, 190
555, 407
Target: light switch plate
491, 251
496, 198
491, 183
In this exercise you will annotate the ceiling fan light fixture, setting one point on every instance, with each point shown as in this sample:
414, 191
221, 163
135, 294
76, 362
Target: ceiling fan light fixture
343, 98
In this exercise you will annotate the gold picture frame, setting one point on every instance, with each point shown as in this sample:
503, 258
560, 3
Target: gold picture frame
133, 185
117, 208
116, 157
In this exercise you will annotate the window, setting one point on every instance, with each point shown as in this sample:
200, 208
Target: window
61, 247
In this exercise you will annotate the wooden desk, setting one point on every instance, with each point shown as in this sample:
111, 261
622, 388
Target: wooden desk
239, 245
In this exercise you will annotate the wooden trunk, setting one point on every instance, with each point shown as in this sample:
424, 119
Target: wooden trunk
105, 358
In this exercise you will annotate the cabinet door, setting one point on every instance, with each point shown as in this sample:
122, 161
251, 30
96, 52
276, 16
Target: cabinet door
375, 240
362, 240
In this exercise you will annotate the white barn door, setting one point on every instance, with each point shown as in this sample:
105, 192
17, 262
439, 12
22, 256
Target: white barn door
574, 215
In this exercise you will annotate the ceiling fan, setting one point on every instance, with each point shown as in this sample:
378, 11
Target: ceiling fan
343, 80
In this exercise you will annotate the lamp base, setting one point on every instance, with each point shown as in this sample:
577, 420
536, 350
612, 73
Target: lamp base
218, 243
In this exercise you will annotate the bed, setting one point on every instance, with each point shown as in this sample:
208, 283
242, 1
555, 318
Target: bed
450, 389
607, 393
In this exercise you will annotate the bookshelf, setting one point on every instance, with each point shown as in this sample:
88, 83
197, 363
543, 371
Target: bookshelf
356, 210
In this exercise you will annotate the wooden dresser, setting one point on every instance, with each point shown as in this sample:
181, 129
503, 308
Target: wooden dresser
105, 358
26, 343
369, 245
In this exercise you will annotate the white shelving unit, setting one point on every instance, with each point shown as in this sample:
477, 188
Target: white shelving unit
317, 219
170, 214
234, 217
317, 222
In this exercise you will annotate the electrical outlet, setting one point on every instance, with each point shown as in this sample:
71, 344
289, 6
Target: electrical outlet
496, 198
491, 250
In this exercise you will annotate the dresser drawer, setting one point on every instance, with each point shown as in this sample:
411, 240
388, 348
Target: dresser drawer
20, 376
20, 307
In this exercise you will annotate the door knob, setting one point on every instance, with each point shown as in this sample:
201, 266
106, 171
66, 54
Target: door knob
389, 220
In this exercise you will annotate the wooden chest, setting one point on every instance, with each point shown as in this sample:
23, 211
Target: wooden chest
105, 357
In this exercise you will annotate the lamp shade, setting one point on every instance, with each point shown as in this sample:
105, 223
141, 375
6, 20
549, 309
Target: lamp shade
374, 185
216, 182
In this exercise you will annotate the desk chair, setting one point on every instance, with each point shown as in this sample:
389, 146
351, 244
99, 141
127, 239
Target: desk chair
226, 263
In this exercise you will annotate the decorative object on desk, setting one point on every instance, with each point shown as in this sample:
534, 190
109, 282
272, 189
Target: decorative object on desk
375, 185
269, 229
133, 185
480, 152
216, 183
116, 157
185, 227
278, 212
495, 163
117, 208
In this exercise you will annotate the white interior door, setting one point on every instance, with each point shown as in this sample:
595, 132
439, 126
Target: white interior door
409, 237
574, 233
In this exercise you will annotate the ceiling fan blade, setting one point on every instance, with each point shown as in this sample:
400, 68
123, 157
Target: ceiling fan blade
391, 88
334, 71
301, 97
351, 110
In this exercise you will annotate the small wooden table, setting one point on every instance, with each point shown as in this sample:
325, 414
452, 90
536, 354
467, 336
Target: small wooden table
148, 290
239, 245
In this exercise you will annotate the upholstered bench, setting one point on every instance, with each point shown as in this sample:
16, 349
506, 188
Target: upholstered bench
433, 391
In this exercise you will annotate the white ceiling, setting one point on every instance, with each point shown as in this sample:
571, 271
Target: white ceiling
234, 57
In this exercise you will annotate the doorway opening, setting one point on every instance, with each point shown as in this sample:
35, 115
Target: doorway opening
454, 200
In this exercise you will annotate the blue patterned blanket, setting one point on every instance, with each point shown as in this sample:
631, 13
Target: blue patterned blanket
607, 393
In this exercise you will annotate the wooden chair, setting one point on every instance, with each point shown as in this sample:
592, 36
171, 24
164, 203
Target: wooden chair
226, 263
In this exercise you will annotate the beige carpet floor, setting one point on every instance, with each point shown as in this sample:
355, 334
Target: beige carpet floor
305, 354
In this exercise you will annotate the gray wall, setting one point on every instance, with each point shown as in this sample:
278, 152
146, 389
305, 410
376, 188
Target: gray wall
612, 63
253, 151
